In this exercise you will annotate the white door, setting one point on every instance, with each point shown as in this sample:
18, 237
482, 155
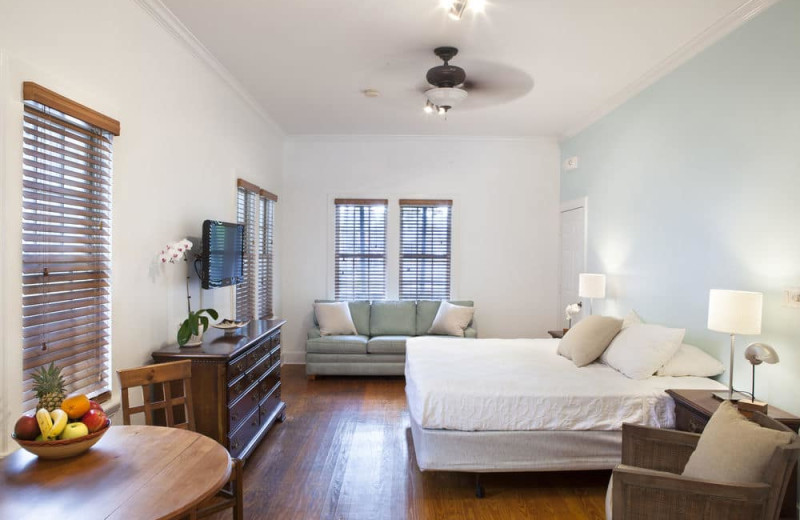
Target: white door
573, 254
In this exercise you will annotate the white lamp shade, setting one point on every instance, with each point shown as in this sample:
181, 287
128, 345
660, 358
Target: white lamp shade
591, 285
734, 312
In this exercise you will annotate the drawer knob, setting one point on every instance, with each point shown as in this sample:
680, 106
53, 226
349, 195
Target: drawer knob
235, 445
234, 417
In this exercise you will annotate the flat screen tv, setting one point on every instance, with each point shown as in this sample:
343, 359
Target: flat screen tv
223, 254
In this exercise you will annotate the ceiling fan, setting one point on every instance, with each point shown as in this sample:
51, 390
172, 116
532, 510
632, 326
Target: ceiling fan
447, 82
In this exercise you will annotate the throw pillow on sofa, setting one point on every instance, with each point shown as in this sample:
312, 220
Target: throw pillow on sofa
451, 320
334, 319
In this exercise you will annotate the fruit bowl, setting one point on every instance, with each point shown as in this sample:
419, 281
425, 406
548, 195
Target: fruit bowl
62, 449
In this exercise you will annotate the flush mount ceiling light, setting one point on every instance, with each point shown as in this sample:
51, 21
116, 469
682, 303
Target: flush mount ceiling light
455, 8
446, 81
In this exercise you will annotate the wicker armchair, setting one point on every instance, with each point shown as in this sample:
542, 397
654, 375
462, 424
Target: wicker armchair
648, 484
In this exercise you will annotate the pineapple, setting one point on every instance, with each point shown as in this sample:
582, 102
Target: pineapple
49, 387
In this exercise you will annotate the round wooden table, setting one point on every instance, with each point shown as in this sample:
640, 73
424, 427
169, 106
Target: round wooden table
134, 472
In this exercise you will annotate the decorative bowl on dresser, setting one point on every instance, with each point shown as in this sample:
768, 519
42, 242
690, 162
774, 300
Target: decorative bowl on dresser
236, 383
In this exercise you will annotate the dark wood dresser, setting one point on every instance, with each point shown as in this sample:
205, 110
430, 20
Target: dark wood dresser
236, 383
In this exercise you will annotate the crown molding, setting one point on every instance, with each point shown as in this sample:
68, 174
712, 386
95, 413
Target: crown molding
350, 138
692, 48
167, 19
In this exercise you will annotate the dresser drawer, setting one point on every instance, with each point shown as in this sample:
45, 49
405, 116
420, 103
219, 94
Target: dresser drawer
269, 404
688, 421
257, 372
269, 381
244, 406
237, 367
238, 440
275, 356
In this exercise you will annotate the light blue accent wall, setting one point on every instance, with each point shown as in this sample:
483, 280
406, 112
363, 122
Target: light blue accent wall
694, 184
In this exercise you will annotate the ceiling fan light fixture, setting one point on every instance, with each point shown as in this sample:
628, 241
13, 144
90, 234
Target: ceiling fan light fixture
456, 10
429, 107
446, 96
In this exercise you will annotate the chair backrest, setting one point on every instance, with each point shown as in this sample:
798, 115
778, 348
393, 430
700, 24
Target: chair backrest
781, 465
170, 377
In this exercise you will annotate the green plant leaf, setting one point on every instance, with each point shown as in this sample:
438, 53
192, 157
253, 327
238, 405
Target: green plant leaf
204, 321
214, 314
183, 333
194, 325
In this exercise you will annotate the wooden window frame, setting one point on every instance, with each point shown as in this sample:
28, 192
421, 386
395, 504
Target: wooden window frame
256, 211
66, 241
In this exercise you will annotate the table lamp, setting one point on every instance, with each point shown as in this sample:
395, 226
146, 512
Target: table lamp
757, 353
734, 312
591, 286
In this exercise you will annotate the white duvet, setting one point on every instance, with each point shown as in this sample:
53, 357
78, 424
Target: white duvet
522, 384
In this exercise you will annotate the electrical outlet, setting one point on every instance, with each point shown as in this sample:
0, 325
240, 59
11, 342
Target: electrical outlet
571, 163
791, 297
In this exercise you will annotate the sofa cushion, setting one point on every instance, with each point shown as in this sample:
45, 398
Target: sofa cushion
392, 318
359, 311
426, 312
338, 345
334, 319
387, 345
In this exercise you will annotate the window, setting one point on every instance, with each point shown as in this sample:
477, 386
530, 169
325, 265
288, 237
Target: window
256, 211
360, 249
66, 242
425, 245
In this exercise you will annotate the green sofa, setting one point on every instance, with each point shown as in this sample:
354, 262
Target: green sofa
380, 346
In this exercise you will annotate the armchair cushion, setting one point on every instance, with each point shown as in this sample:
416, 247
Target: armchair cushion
734, 449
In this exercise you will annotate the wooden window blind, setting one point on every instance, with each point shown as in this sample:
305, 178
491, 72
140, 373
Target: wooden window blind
360, 256
265, 253
256, 211
425, 249
66, 242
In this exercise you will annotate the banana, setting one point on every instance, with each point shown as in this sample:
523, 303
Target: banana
59, 418
45, 422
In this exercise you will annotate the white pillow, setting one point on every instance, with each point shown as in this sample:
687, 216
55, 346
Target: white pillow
334, 319
451, 319
691, 361
639, 350
631, 319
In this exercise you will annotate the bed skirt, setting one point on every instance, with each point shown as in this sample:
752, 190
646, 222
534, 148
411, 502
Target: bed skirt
513, 451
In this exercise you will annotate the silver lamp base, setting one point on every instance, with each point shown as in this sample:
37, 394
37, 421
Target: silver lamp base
726, 396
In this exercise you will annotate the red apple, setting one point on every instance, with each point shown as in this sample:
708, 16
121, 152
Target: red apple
94, 420
27, 428
94, 405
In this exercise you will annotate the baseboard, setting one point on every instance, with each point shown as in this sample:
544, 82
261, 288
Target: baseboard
294, 358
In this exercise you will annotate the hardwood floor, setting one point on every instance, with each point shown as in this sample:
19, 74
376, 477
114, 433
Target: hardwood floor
345, 452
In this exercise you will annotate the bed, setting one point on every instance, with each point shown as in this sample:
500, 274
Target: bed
498, 405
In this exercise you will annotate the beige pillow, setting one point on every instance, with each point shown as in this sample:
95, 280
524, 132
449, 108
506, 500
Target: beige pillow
334, 319
451, 320
733, 449
584, 342
631, 319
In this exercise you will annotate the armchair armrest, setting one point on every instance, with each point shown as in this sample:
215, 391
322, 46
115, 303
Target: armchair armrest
656, 449
314, 333
644, 493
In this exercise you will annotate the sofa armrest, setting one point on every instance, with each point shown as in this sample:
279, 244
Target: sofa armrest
314, 333
470, 332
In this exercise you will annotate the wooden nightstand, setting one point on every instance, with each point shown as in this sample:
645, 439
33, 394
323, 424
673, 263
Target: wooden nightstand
693, 409
558, 334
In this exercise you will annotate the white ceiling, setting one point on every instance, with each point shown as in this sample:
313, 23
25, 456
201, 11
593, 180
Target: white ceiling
308, 61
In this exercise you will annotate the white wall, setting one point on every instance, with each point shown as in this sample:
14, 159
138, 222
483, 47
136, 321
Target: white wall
505, 221
186, 137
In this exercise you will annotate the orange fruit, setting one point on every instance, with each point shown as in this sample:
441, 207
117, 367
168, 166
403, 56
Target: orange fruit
76, 406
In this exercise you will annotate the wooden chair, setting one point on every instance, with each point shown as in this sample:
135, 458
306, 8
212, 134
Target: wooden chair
171, 376
648, 483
